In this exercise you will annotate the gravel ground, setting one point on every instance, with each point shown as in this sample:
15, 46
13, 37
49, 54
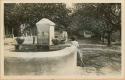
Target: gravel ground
105, 60
98, 60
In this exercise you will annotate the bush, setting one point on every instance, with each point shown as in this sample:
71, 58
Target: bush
55, 41
19, 40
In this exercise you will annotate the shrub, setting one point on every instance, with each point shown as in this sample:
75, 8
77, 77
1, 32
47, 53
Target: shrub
19, 40
55, 41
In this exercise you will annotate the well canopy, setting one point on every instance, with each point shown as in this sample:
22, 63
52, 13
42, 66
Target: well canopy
45, 21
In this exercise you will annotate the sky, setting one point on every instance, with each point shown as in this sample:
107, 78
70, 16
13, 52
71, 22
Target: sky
69, 5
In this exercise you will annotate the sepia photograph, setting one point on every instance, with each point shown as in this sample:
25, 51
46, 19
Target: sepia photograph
62, 39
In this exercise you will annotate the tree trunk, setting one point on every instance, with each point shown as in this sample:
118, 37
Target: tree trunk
103, 37
17, 31
120, 34
109, 39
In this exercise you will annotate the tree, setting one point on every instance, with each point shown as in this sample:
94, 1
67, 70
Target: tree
30, 13
111, 13
98, 18
85, 18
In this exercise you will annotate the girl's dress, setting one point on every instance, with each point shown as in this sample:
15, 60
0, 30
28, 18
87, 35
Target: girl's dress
79, 54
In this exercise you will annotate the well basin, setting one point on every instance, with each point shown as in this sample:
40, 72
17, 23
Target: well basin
41, 63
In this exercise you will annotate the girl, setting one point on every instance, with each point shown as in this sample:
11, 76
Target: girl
79, 55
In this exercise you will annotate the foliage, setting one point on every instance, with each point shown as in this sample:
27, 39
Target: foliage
102, 19
19, 40
55, 41
30, 13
